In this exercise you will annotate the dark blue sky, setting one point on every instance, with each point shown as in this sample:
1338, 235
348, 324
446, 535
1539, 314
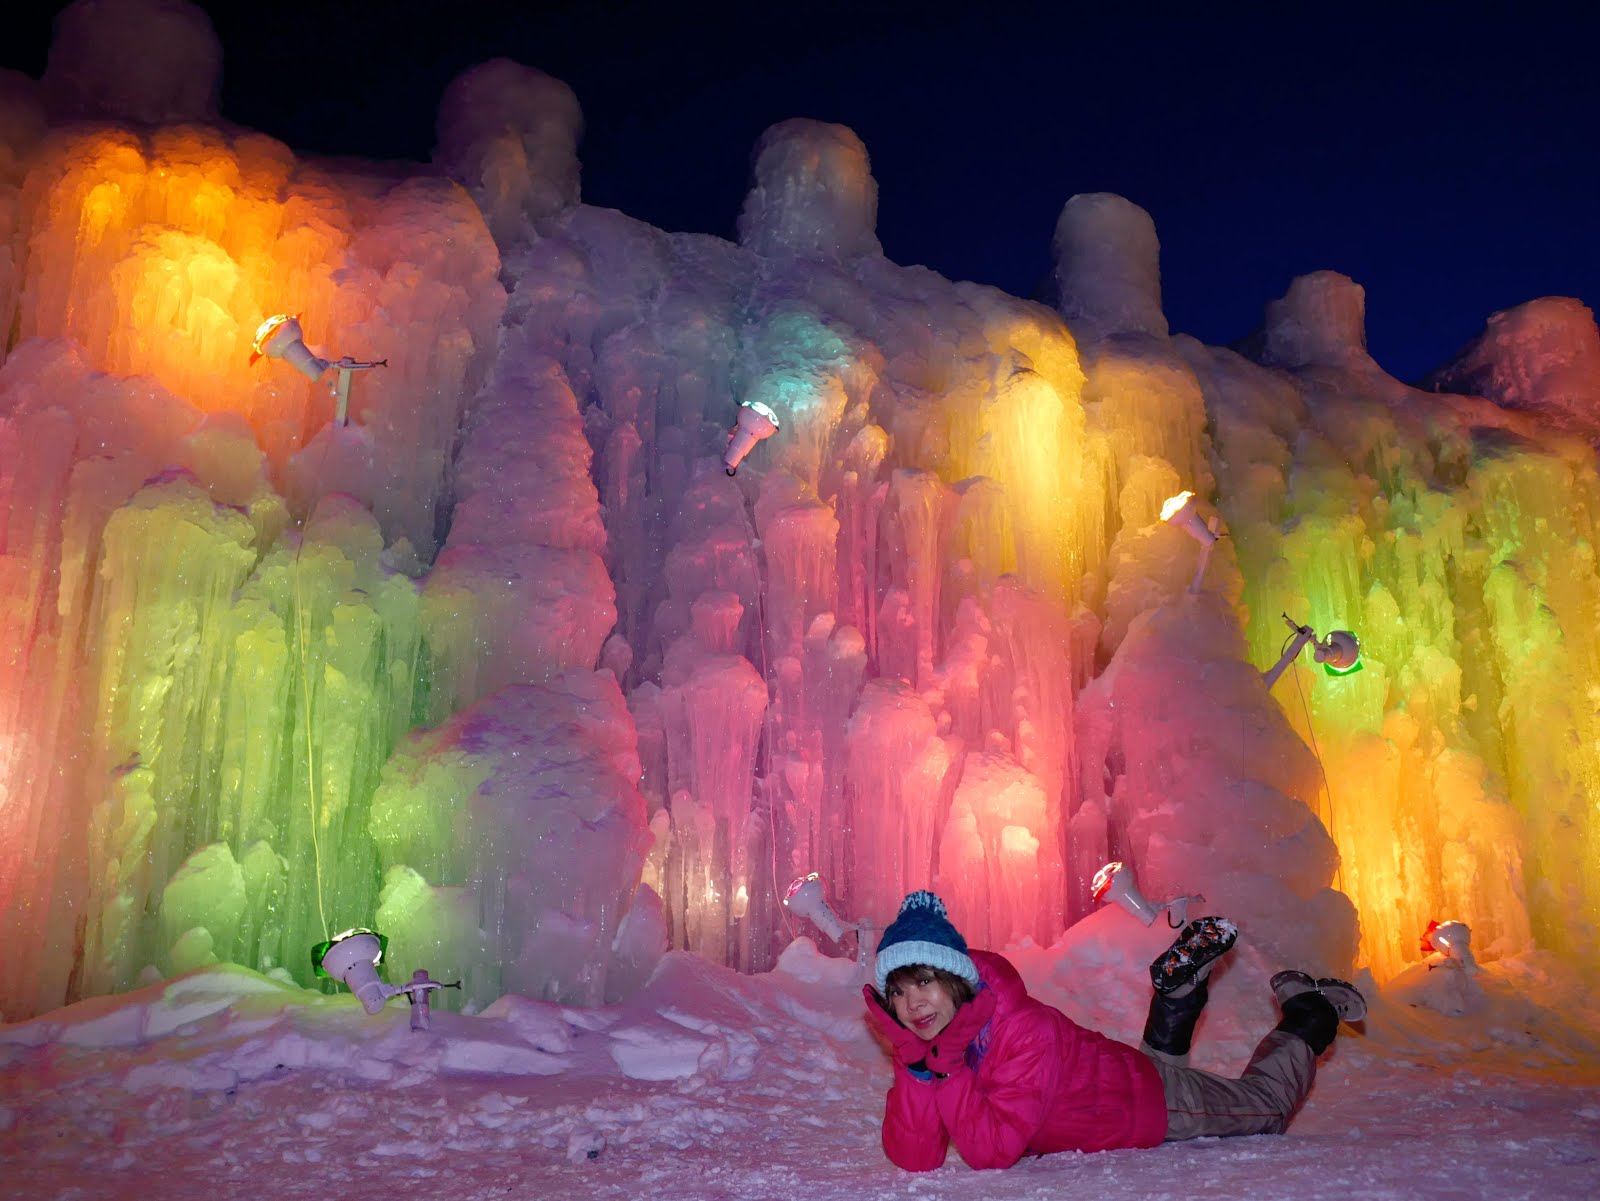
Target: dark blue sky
1439, 157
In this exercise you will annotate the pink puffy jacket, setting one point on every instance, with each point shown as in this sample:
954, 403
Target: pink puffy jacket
1041, 1083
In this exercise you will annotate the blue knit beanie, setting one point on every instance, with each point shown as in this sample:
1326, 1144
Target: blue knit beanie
923, 934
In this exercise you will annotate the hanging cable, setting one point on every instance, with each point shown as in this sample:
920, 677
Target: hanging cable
766, 743
300, 622
1327, 786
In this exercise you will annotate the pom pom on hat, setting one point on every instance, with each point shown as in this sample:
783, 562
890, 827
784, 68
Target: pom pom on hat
922, 933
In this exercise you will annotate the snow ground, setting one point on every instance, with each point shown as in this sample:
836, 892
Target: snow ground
712, 1085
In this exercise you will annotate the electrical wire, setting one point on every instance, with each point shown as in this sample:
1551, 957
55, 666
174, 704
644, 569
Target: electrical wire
301, 638
766, 739
1327, 785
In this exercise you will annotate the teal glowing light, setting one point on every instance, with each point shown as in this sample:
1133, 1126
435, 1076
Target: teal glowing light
765, 410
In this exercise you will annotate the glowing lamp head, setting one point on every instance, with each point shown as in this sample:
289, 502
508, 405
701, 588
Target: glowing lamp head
1102, 880
805, 897
280, 337
353, 958
1115, 882
1451, 939
756, 421
1339, 653
1180, 511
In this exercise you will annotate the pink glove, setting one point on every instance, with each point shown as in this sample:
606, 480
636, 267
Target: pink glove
907, 1047
948, 1050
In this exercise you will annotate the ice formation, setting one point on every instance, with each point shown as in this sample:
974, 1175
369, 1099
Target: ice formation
510, 666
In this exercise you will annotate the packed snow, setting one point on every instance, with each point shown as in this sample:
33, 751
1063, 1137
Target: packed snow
711, 1084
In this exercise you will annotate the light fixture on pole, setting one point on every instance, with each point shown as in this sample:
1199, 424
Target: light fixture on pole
807, 898
280, 337
756, 421
1339, 653
1180, 511
353, 957
1115, 882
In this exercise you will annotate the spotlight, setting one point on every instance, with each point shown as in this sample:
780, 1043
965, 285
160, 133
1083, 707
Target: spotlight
1115, 882
1449, 943
1339, 653
807, 898
756, 421
280, 337
353, 958
1180, 511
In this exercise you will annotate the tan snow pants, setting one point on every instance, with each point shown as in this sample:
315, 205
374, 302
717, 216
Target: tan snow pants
1201, 1104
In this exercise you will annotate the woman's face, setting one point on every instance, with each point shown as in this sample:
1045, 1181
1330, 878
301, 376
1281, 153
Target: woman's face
923, 1005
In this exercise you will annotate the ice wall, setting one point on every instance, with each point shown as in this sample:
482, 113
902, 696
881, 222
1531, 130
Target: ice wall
1455, 537
473, 666
908, 567
222, 613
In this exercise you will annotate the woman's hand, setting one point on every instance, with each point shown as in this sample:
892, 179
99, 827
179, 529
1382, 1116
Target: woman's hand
948, 1049
907, 1047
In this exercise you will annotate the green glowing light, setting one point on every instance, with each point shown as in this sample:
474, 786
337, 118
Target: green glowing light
322, 948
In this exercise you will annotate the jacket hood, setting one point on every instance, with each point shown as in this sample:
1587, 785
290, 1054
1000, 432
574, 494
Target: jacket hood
998, 974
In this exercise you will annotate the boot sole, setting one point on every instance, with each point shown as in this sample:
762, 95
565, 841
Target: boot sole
1203, 942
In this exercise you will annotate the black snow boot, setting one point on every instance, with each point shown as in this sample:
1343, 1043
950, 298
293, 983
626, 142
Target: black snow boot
1188, 961
1310, 1017
1169, 1027
1345, 998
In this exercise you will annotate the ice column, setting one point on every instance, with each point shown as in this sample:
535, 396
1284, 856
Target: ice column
895, 782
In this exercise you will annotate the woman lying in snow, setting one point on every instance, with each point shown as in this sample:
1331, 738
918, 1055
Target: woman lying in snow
980, 1063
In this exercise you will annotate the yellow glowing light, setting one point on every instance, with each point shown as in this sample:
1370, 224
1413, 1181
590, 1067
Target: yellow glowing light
266, 329
1174, 505
741, 901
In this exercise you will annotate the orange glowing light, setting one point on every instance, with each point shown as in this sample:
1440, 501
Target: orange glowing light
265, 330
1174, 504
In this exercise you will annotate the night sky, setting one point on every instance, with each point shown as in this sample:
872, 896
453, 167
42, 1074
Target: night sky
1444, 160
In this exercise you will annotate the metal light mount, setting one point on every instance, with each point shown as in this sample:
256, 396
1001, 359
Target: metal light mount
807, 898
1180, 511
1339, 653
756, 421
353, 957
280, 337
1115, 882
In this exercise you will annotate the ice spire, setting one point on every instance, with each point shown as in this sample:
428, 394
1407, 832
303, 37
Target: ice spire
1541, 357
1107, 266
814, 195
509, 134
1320, 321
150, 61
